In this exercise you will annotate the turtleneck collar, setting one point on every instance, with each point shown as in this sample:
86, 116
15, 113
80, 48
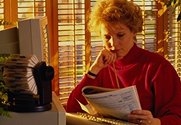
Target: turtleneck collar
130, 56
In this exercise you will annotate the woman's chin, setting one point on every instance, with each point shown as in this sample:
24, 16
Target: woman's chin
119, 57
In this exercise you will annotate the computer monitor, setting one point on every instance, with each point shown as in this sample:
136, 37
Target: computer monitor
29, 37
33, 37
9, 41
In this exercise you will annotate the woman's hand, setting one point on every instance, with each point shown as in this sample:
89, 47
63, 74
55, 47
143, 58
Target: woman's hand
104, 58
143, 117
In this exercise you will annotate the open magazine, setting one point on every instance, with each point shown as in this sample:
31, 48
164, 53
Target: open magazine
116, 103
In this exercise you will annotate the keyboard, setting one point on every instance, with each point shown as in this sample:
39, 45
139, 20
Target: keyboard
108, 121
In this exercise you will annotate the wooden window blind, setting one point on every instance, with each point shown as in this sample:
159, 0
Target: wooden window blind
71, 42
31, 8
1, 13
96, 41
147, 38
173, 40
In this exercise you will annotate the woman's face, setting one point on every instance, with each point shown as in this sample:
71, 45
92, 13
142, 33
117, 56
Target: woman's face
117, 38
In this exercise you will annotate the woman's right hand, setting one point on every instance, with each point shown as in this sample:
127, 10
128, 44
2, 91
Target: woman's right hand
104, 58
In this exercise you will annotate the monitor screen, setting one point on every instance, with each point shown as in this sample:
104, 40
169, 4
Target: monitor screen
9, 41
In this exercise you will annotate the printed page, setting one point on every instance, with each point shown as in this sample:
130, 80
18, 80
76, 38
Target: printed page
117, 103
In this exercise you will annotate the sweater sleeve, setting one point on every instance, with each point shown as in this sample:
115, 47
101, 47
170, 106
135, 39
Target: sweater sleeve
167, 88
76, 94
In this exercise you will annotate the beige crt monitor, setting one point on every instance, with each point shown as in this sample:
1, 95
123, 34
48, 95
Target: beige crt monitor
33, 37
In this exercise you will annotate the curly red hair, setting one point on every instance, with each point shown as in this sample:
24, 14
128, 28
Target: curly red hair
108, 12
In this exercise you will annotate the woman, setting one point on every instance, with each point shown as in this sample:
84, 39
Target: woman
158, 85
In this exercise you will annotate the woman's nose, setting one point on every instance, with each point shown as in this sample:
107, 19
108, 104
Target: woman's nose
112, 43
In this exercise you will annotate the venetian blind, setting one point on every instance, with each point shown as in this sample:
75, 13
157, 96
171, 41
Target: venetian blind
1, 14
71, 42
31, 8
96, 42
173, 40
147, 38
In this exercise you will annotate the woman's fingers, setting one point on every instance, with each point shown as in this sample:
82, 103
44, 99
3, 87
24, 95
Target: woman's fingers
104, 58
141, 117
108, 57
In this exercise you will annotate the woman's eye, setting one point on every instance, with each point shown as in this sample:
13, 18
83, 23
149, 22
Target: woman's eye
120, 35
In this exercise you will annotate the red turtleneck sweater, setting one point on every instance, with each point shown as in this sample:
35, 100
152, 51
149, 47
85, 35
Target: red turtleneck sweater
158, 85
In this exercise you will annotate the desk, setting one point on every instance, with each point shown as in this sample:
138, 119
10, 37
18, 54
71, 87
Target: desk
56, 116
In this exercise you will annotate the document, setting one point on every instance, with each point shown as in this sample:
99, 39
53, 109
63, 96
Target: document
116, 103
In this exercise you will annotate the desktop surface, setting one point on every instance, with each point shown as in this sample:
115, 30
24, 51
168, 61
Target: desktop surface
55, 116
